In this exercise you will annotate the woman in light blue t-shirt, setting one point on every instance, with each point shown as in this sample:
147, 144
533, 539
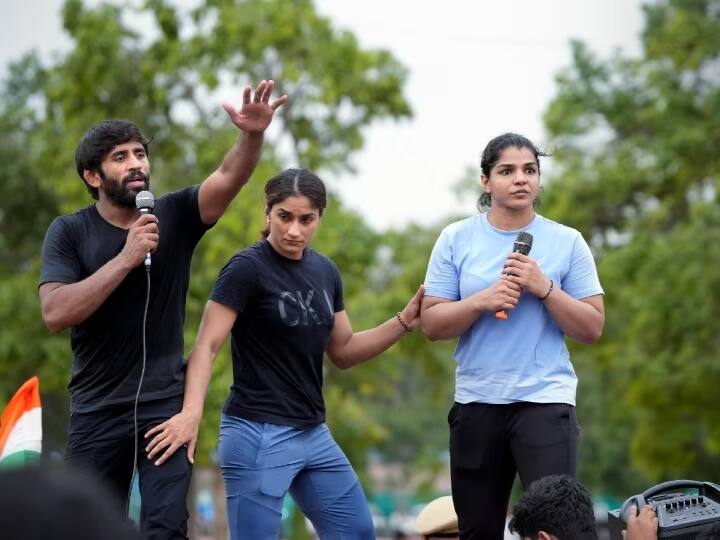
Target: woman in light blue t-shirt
514, 409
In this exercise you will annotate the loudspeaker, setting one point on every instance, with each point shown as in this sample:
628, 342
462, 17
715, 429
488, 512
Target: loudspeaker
684, 508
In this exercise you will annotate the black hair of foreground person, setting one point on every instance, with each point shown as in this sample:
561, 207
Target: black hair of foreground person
56, 503
555, 505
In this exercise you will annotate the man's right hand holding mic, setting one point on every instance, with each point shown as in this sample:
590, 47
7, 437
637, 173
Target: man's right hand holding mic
142, 238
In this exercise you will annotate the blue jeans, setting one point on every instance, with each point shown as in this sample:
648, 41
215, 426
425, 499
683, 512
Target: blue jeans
261, 462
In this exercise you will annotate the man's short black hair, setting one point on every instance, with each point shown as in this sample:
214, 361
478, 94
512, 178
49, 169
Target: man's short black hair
99, 141
558, 505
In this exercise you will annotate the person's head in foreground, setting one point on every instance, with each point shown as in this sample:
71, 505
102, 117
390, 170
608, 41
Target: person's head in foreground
438, 520
555, 507
44, 503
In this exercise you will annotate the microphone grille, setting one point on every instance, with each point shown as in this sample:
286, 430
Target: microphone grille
145, 199
523, 243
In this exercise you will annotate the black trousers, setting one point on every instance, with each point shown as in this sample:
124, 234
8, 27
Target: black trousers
102, 443
489, 444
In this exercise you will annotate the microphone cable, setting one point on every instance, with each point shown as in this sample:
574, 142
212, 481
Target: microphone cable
137, 395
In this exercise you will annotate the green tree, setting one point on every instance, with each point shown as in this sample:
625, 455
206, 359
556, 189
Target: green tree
637, 171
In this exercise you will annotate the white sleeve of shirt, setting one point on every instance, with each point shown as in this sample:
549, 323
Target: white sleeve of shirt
442, 278
582, 279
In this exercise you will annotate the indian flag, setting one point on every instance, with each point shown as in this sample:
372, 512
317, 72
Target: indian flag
21, 426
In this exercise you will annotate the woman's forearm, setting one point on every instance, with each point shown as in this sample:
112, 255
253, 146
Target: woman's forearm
365, 345
197, 379
581, 320
449, 320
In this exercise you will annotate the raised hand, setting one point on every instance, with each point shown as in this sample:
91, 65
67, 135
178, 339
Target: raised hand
257, 110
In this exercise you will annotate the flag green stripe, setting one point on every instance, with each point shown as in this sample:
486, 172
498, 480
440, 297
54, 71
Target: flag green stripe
19, 459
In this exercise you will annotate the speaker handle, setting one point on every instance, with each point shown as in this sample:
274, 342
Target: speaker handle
640, 500
672, 484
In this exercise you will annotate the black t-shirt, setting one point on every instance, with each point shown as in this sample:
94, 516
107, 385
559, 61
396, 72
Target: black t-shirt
107, 346
286, 312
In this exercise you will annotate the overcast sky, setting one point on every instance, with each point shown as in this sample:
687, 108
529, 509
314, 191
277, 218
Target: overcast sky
477, 68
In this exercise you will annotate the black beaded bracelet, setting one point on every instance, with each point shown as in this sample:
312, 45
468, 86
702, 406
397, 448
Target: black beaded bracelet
552, 285
404, 324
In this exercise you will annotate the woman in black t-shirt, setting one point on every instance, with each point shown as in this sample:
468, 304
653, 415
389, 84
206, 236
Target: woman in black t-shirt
282, 302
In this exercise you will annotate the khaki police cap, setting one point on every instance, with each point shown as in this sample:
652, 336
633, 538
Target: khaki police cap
438, 516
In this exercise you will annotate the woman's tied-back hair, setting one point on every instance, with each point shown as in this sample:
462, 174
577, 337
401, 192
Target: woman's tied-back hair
491, 155
99, 141
293, 183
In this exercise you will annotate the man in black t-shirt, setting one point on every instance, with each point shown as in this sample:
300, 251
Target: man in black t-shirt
93, 281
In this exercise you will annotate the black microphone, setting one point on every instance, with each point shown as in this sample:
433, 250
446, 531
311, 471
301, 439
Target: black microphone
523, 243
145, 202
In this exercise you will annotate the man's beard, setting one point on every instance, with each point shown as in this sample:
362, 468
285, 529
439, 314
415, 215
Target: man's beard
117, 190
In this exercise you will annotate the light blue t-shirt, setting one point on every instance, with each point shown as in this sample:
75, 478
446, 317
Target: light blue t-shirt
523, 358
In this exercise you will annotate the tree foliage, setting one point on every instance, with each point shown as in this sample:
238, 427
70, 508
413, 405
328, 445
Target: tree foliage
637, 172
